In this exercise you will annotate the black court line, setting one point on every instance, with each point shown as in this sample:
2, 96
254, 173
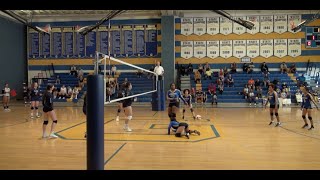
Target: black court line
155, 113
301, 134
80, 124
114, 153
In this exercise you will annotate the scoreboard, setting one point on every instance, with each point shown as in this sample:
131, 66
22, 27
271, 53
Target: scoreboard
312, 37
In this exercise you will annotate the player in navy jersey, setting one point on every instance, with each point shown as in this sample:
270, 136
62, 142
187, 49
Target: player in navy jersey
274, 104
306, 107
174, 95
179, 128
127, 105
188, 98
6, 97
48, 112
35, 97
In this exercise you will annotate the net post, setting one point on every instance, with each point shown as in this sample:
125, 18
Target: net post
95, 123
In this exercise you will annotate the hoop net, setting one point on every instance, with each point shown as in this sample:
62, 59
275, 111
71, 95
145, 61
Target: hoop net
107, 62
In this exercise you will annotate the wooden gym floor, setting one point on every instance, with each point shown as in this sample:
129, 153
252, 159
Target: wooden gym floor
231, 138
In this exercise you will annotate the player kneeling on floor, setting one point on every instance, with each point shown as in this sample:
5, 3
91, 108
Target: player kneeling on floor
180, 128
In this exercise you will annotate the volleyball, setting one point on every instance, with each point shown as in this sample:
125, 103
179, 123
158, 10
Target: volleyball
198, 117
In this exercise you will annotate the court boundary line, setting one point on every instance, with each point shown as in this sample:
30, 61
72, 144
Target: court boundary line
116, 152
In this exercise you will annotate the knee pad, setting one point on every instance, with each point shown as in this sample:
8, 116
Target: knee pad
178, 134
55, 121
36, 108
303, 117
32, 108
129, 118
271, 114
310, 118
276, 114
191, 109
119, 110
45, 122
184, 110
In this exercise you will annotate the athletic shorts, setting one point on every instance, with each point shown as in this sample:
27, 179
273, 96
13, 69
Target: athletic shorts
35, 99
186, 125
273, 106
126, 104
45, 109
177, 104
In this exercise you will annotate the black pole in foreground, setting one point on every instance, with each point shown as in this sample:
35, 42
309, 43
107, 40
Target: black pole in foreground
95, 122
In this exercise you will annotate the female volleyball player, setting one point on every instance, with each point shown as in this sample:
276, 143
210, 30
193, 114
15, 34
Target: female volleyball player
274, 104
48, 112
188, 98
179, 128
127, 106
6, 97
174, 96
306, 106
35, 98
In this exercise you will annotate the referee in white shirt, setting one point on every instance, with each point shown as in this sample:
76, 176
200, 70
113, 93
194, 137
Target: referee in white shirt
159, 71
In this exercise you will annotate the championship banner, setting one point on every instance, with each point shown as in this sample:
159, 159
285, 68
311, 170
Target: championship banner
293, 21
237, 28
225, 26
212, 25
91, 43
199, 26
294, 47
256, 21
127, 41
56, 43
103, 39
186, 26
280, 24
68, 42
253, 48
115, 45
266, 48
266, 24
186, 49
226, 48
199, 49
80, 43
280, 47
213, 49
151, 40
34, 44
239, 48
140, 40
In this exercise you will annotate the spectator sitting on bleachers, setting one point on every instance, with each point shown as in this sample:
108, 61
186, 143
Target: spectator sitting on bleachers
221, 74
257, 84
208, 74
264, 67
245, 67
73, 70
58, 80
250, 68
189, 69
69, 92
283, 68
251, 83
233, 67
81, 81
63, 92
207, 67
80, 72
197, 77
230, 81
200, 69
75, 93
252, 98
259, 92
293, 68
113, 70
221, 87
284, 86
220, 81
225, 71
211, 88
245, 91
139, 73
